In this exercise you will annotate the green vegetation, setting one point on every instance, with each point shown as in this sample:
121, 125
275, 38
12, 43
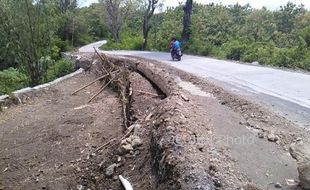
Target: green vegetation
58, 69
11, 79
278, 38
34, 33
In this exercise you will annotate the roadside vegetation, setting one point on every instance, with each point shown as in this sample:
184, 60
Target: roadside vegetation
34, 33
278, 38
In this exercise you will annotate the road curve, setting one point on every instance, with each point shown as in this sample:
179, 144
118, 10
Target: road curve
287, 91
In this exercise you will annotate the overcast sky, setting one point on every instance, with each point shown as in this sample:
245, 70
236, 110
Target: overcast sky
270, 4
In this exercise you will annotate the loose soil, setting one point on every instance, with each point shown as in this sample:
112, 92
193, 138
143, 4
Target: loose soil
195, 135
45, 142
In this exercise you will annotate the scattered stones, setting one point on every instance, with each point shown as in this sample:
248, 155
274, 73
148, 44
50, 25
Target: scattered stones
301, 152
110, 170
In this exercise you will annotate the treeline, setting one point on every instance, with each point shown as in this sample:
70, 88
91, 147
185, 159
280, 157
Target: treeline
278, 38
34, 33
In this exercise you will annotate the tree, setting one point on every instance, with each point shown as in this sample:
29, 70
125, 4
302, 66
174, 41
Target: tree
187, 20
29, 28
66, 9
117, 12
287, 16
148, 13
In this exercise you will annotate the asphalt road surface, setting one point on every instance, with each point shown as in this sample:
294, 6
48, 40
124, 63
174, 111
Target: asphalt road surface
286, 92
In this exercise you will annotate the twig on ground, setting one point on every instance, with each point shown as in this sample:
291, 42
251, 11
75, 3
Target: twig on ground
104, 145
147, 93
130, 129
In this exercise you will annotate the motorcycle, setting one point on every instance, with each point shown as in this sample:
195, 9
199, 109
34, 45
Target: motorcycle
176, 54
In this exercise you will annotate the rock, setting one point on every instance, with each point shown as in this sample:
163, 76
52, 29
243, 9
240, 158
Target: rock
126, 141
261, 135
298, 139
110, 170
272, 137
79, 187
138, 130
170, 128
115, 178
126, 148
136, 142
217, 183
200, 146
278, 185
186, 99
301, 152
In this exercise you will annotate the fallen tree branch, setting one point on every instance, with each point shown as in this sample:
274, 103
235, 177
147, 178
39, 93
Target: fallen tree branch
104, 60
102, 89
87, 85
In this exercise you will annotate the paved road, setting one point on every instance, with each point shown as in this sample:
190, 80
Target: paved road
288, 92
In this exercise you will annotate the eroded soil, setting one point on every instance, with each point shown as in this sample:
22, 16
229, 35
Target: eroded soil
215, 139
45, 142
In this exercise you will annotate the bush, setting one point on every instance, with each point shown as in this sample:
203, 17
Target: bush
127, 43
234, 49
59, 69
12, 79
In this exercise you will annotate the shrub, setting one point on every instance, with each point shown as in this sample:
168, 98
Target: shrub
234, 49
12, 79
283, 57
127, 43
59, 69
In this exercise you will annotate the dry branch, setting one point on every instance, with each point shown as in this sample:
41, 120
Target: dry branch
87, 85
118, 80
102, 89
147, 93
104, 145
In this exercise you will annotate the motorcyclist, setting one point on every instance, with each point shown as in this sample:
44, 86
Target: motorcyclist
176, 44
176, 48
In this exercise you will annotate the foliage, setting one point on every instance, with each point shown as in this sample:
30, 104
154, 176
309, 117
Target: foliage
34, 33
278, 38
12, 79
127, 43
58, 69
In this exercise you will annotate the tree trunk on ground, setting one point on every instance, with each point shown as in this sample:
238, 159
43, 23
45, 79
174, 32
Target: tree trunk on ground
187, 20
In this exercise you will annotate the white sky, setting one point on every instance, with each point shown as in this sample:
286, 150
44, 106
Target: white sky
270, 4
